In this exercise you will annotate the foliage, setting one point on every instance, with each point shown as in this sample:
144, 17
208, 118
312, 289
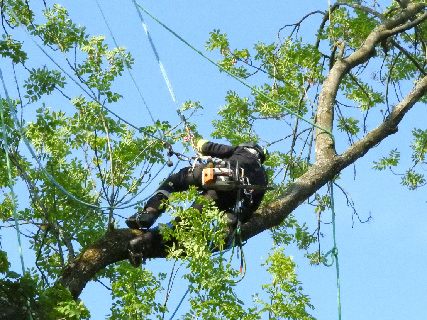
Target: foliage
134, 293
286, 299
21, 296
101, 159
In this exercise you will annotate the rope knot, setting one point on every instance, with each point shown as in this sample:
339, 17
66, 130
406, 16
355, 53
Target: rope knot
333, 253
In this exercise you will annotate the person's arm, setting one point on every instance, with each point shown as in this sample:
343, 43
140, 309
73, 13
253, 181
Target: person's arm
213, 149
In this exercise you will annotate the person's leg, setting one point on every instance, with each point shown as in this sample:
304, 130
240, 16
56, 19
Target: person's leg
140, 246
145, 218
177, 182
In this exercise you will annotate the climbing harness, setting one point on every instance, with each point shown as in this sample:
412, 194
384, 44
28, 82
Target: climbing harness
223, 176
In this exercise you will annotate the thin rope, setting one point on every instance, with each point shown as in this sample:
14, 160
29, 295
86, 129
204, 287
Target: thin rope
334, 252
9, 171
90, 94
128, 69
236, 77
14, 205
180, 302
156, 54
27, 143
165, 76
99, 208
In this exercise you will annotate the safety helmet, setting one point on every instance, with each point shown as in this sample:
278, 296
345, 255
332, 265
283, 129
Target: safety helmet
261, 152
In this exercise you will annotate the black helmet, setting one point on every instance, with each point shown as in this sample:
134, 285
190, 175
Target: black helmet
257, 147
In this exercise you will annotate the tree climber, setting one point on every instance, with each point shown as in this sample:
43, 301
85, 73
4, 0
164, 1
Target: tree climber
247, 157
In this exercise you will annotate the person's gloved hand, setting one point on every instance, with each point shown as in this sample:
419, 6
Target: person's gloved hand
200, 144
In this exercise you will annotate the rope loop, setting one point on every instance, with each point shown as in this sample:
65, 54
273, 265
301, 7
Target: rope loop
333, 253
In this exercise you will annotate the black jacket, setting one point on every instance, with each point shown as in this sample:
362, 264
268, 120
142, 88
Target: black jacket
254, 171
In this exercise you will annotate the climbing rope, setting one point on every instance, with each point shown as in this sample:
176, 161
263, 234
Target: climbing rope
189, 136
128, 69
236, 77
12, 193
334, 252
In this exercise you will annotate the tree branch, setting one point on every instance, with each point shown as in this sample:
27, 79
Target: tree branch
325, 148
409, 56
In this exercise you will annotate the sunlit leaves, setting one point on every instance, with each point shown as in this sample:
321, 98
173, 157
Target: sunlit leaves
219, 41
12, 49
235, 123
102, 66
419, 145
134, 292
391, 161
41, 82
349, 125
19, 12
4, 262
413, 180
196, 230
361, 93
58, 303
59, 29
12, 132
293, 62
43, 133
211, 277
290, 231
351, 26
286, 299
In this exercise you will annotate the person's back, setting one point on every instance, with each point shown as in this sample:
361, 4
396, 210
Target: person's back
247, 156
250, 157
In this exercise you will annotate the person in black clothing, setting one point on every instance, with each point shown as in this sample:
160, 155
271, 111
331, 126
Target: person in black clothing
249, 156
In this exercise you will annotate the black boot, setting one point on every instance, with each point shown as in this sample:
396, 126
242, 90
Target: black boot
143, 219
138, 248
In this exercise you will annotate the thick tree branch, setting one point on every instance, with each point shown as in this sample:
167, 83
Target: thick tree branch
321, 172
325, 148
111, 248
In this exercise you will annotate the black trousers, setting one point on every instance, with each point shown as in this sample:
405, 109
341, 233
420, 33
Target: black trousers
189, 176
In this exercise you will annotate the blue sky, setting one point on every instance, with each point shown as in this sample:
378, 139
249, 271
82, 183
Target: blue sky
382, 262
